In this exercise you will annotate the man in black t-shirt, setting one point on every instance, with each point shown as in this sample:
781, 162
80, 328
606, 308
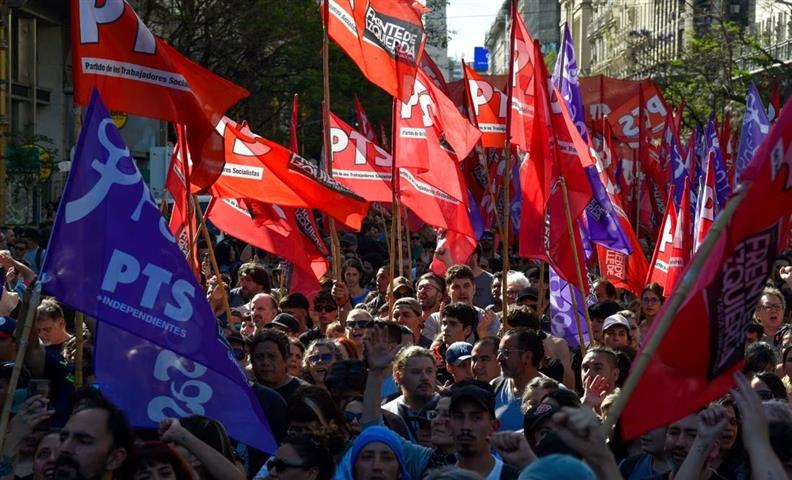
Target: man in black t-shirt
269, 353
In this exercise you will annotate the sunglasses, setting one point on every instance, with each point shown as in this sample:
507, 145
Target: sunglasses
361, 324
325, 308
353, 417
320, 357
280, 465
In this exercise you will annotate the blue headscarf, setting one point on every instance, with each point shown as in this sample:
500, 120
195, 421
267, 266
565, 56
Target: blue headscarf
383, 435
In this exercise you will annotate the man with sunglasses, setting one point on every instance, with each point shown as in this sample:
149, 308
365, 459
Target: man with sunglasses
520, 353
326, 310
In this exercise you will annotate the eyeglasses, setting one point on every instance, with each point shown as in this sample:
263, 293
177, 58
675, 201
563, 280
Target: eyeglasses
424, 286
771, 306
650, 300
320, 357
352, 417
505, 353
361, 324
325, 308
280, 465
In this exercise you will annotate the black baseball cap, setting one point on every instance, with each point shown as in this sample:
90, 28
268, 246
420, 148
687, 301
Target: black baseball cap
285, 320
472, 392
538, 413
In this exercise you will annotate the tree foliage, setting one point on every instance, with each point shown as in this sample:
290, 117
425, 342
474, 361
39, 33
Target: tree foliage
274, 49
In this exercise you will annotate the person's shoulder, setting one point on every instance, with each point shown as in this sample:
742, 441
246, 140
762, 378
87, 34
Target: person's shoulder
300, 382
393, 405
509, 472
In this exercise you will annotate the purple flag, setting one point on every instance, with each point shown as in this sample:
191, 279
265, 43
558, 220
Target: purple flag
112, 256
680, 168
754, 129
722, 187
602, 224
562, 318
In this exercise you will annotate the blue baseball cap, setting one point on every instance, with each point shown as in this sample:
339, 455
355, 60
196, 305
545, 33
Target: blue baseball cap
7, 327
458, 352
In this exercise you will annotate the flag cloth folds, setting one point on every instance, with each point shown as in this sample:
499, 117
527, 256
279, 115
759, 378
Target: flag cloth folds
138, 73
722, 187
290, 233
385, 39
112, 257
705, 342
262, 170
489, 108
556, 151
430, 132
180, 221
363, 121
661, 259
754, 129
359, 163
707, 207
562, 316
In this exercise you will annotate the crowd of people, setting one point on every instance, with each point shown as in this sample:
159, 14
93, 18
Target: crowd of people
417, 376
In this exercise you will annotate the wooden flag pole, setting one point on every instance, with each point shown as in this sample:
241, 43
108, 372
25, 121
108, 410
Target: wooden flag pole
79, 339
578, 269
212, 258
22, 346
394, 207
408, 234
541, 297
328, 151
672, 306
399, 237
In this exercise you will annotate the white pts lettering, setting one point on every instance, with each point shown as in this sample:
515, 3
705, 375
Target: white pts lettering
91, 16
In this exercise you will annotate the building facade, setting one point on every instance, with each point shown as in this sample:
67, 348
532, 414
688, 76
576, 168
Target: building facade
541, 17
39, 122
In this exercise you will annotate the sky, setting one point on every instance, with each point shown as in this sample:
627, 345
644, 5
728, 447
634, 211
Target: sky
468, 23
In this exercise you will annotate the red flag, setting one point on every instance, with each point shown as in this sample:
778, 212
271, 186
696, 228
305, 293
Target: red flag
556, 150
679, 113
137, 72
488, 106
366, 169
365, 126
261, 170
385, 39
705, 342
180, 222
430, 131
674, 244
359, 163
459, 247
293, 127
522, 89
290, 233
433, 72
706, 212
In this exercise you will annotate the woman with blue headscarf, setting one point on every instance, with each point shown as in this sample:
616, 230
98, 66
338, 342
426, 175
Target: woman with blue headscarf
376, 454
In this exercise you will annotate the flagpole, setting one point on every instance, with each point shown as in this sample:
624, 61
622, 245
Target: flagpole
22, 345
79, 338
212, 258
394, 208
335, 246
672, 307
540, 299
505, 222
399, 237
578, 270
638, 161
183, 148
409, 244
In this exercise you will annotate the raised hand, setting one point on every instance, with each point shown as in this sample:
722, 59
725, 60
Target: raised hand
595, 390
712, 421
752, 413
170, 430
340, 292
786, 275
379, 354
581, 430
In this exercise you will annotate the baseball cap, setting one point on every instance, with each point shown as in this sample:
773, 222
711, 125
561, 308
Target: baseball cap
285, 320
529, 293
614, 320
235, 337
471, 391
410, 303
538, 413
401, 282
7, 327
458, 352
